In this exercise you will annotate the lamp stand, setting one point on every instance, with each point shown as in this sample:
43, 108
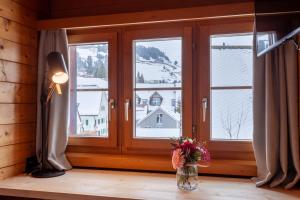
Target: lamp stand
43, 171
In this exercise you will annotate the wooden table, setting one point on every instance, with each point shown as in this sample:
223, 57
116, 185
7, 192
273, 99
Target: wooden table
83, 184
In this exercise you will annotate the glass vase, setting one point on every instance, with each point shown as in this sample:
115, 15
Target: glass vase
187, 177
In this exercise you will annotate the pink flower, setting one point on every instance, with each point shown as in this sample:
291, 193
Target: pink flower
177, 159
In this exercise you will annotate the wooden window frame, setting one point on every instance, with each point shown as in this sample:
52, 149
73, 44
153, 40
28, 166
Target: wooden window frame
82, 39
156, 156
142, 145
220, 149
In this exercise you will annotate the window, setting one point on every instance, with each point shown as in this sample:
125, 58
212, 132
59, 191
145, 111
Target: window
157, 71
225, 94
159, 86
159, 118
93, 94
154, 65
231, 86
91, 84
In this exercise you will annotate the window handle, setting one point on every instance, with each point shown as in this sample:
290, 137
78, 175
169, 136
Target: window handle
204, 108
111, 105
127, 102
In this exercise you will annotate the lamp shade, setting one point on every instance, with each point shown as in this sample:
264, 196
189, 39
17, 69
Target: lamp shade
57, 68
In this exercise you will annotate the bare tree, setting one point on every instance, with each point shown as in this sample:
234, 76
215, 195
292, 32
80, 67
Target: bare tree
241, 119
233, 124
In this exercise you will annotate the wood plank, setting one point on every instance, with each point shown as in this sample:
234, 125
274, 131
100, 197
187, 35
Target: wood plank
29, 4
72, 8
17, 133
83, 184
17, 113
13, 170
182, 14
17, 153
17, 93
13, 11
18, 33
17, 73
158, 163
11, 51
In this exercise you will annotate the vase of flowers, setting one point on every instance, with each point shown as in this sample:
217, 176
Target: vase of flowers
187, 155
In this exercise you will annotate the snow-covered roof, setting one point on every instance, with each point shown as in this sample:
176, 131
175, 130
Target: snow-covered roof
166, 105
88, 102
175, 116
91, 83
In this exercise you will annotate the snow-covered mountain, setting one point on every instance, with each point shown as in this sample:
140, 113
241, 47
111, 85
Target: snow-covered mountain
156, 67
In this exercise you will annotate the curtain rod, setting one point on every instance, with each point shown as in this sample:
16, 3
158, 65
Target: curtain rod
282, 41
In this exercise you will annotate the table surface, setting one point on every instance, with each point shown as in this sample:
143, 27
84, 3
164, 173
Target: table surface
85, 184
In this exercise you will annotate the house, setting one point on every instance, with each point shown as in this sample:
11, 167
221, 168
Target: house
92, 107
160, 118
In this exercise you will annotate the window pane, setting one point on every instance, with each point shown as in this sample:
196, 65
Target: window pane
92, 66
231, 70
231, 114
92, 90
92, 117
157, 63
156, 116
231, 60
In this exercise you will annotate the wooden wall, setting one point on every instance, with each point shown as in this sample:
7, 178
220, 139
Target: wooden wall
72, 8
18, 76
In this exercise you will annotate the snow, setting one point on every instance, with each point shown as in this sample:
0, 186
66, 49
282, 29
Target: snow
91, 83
230, 67
88, 102
158, 132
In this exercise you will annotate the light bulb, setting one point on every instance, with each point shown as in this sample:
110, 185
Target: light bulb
60, 77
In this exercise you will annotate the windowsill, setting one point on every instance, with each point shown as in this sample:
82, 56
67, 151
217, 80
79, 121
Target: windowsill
159, 163
78, 184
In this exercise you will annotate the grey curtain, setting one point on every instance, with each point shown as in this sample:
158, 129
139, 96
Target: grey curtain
276, 117
53, 40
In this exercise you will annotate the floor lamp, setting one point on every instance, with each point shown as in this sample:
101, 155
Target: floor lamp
57, 74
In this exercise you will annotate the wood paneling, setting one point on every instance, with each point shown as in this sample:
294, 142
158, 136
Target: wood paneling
17, 72
12, 170
153, 17
12, 51
18, 78
16, 133
13, 154
17, 93
10, 9
18, 33
158, 163
17, 113
72, 8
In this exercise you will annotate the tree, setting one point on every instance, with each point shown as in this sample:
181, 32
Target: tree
233, 124
101, 71
140, 78
89, 67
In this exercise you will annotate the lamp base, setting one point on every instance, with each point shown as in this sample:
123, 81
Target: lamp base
46, 173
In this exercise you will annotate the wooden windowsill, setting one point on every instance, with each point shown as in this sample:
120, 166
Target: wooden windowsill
79, 184
158, 163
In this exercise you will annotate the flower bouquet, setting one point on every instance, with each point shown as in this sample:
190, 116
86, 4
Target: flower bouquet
188, 154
